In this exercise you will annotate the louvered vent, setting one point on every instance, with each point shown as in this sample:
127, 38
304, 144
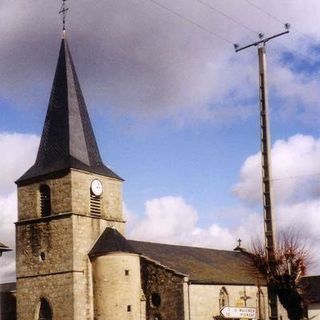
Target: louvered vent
45, 200
95, 204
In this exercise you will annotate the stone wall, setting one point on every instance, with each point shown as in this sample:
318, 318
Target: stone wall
57, 289
204, 299
165, 288
29, 198
8, 306
314, 311
117, 287
111, 198
71, 193
52, 251
44, 246
86, 230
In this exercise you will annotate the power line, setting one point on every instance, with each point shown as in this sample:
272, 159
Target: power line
297, 177
201, 27
274, 17
211, 7
302, 56
263, 10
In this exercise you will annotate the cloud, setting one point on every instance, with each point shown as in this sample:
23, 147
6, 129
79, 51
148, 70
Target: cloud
305, 215
303, 218
172, 220
140, 59
296, 184
296, 92
8, 209
296, 174
17, 155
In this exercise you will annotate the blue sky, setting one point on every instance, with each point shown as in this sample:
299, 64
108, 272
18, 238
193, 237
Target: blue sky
174, 109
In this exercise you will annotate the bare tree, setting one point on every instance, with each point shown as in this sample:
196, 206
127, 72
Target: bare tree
284, 274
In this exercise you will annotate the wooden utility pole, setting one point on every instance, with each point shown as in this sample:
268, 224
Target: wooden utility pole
266, 164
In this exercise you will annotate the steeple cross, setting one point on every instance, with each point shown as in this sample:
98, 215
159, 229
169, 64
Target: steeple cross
239, 241
63, 11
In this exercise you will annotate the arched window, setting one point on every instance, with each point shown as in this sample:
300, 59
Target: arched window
223, 298
45, 312
45, 200
261, 309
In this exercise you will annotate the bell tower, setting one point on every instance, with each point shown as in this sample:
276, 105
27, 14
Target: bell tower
65, 201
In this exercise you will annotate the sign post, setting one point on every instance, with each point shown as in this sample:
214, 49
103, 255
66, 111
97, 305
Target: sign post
235, 312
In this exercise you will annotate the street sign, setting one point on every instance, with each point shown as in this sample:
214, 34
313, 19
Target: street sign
235, 312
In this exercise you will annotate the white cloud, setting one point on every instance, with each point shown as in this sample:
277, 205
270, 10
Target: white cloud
304, 216
17, 155
172, 220
297, 191
296, 187
8, 209
296, 173
297, 92
8, 267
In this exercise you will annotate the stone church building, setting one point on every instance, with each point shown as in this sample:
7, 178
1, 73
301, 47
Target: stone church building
73, 260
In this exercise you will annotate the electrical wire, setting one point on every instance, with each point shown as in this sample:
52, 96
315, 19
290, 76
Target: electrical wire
201, 27
263, 10
303, 56
297, 177
211, 7
275, 18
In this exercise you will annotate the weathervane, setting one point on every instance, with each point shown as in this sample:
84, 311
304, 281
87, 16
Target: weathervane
63, 11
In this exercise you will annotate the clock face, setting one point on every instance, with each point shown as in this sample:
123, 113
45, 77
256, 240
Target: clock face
96, 187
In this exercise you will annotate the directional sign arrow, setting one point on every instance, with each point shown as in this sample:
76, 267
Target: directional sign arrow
234, 312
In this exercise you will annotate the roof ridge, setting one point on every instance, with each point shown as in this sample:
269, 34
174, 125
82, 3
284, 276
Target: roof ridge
185, 246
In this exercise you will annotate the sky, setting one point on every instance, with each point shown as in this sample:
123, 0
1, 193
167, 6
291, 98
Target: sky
175, 111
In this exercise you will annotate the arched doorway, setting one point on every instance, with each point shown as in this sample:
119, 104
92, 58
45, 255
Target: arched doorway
45, 312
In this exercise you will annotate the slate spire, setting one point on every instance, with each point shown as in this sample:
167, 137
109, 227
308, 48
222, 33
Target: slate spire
67, 139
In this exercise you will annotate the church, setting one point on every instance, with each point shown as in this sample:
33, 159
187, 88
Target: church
72, 256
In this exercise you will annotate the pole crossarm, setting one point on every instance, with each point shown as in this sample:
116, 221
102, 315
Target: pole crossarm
264, 41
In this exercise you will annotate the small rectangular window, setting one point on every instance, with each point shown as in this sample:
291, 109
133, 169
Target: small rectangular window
42, 256
129, 308
126, 272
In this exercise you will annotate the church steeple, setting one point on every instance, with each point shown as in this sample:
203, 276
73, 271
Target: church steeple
67, 139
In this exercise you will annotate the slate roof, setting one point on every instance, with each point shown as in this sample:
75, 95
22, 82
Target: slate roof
67, 139
202, 265
3, 247
311, 288
111, 240
8, 287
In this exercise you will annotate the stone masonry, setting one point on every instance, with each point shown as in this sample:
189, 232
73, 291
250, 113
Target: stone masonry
52, 252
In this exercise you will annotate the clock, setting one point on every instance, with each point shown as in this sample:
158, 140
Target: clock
96, 187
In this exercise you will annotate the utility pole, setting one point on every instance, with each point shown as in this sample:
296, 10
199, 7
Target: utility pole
266, 163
